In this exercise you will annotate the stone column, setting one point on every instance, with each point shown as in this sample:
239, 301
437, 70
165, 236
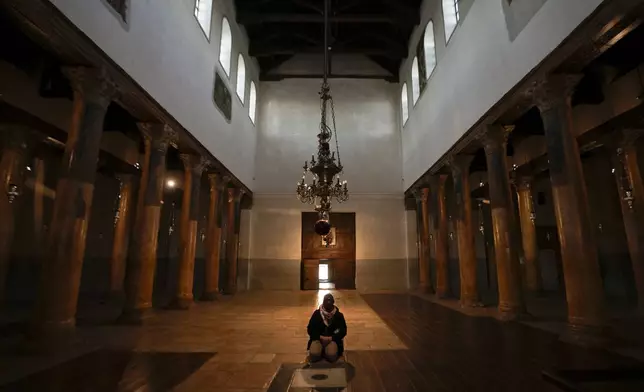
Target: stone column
424, 269
584, 290
12, 167
511, 303
631, 194
529, 235
213, 239
39, 193
194, 166
232, 238
120, 244
442, 240
65, 247
139, 278
460, 165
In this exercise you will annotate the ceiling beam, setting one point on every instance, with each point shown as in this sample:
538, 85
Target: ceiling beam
268, 51
276, 77
260, 18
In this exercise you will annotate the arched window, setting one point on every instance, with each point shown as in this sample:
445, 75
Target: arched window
429, 43
252, 102
415, 81
241, 78
450, 17
225, 46
203, 13
404, 104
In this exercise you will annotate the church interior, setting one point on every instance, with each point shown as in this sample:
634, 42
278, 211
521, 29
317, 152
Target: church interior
183, 181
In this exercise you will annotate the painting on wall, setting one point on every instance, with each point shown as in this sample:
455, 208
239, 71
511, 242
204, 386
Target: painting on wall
329, 239
222, 97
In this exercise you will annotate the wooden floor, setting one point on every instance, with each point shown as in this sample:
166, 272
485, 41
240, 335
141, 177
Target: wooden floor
395, 343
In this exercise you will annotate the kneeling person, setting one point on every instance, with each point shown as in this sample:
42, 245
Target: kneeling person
326, 330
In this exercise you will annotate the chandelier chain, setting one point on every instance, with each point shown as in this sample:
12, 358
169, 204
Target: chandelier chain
335, 133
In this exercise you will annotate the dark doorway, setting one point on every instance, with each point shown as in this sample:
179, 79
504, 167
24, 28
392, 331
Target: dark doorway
331, 262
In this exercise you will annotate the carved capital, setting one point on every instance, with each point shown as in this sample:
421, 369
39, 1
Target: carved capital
460, 163
214, 180
523, 183
194, 163
93, 84
495, 138
416, 192
124, 178
161, 136
552, 90
424, 197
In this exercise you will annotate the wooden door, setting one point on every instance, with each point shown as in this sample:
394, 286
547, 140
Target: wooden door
310, 270
343, 273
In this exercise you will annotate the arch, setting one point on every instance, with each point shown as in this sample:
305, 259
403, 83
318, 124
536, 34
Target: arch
429, 44
252, 104
241, 78
225, 46
404, 104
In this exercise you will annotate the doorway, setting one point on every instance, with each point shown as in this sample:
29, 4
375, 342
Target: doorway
328, 263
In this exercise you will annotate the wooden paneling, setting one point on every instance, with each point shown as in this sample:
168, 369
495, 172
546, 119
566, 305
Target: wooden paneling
341, 256
345, 230
310, 274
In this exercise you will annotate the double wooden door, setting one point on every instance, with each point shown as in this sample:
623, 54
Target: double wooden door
342, 273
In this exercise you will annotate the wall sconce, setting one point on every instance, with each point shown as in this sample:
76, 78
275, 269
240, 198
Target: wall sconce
203, 235
601, 228
12, 192
451, 235
431, 237
481, 223
533, 216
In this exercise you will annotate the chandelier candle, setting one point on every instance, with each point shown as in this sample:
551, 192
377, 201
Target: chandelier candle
326, 170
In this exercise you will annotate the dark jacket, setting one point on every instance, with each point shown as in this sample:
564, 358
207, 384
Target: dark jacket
337, 329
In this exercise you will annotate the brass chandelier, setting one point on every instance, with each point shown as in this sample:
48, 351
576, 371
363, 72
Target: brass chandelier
326, 170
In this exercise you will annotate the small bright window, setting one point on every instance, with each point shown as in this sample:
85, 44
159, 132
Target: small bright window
252, 102
225, 46
404, 104
415, 80
450, 16
429, 43
203, 13
241, 78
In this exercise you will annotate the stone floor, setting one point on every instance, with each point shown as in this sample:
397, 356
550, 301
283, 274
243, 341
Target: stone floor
396, 342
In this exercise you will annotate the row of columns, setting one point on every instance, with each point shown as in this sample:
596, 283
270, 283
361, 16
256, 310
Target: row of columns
583, 282
134, 254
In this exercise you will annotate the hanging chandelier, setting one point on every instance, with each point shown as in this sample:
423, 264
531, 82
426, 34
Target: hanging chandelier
326, 170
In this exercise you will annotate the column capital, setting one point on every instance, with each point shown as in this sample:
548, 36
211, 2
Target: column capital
161, 135
628, 137
94, 84
495, 137
416, 192
460, 162
437, 180
552, 90
213, 179
523, 182
194, 162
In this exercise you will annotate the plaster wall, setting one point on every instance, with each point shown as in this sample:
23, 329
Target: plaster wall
366, 117
481, 63
163, 48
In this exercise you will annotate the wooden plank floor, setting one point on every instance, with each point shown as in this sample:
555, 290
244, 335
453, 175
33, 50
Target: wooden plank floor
449, 351
396, 343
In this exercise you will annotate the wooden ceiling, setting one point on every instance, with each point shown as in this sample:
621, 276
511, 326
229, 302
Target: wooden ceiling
281, 29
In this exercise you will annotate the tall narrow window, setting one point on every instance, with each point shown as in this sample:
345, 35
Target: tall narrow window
225, 46
203, 13
429, 43
404, 104
415, 81
450, 17
252, 102
241, 78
